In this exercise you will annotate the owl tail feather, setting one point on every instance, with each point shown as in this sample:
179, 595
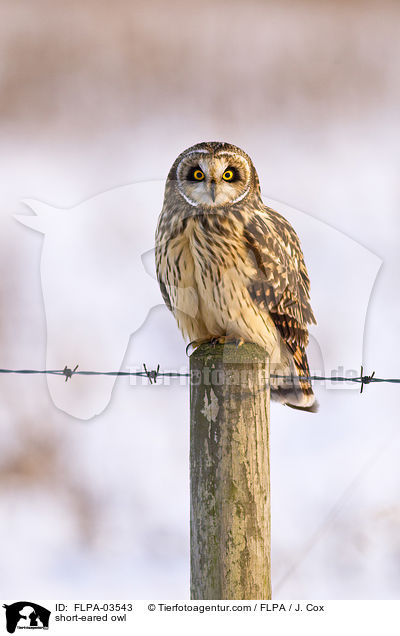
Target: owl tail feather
314, 408
293, 390
295, 397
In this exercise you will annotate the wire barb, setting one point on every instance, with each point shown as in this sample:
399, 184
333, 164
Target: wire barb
365, 379
152, 375
69, 372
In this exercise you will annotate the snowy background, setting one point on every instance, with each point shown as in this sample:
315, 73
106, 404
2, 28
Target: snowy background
95, 96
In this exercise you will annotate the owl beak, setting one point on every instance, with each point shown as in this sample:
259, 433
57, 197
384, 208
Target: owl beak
212, 190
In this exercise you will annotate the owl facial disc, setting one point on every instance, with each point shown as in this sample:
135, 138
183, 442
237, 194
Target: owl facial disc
213, 179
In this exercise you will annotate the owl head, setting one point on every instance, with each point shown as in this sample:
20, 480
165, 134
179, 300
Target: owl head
214, 174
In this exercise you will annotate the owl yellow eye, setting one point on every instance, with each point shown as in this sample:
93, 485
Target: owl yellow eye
198, 175
228, 175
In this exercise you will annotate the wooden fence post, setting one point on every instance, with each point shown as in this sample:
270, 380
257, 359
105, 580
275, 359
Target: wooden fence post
230, 525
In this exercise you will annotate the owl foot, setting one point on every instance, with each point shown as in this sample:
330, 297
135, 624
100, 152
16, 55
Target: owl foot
227, 339
214, 341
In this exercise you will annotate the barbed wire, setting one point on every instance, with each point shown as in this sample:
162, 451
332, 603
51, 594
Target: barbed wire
153, 374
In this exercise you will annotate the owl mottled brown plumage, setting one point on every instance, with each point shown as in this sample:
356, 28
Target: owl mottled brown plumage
230, 267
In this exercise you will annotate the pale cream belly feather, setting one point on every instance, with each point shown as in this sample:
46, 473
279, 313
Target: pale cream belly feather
207, 308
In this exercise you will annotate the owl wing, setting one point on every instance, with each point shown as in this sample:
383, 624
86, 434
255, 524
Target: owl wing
282, 285
164, 293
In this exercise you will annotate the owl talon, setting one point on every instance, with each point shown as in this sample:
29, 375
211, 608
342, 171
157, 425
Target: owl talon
191, 344
197, 343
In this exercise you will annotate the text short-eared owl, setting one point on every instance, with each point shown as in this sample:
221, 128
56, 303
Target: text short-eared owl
229, 266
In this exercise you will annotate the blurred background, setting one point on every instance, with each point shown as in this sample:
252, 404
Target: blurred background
96, 95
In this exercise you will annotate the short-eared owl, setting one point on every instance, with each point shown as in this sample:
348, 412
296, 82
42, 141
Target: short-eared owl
230, 267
